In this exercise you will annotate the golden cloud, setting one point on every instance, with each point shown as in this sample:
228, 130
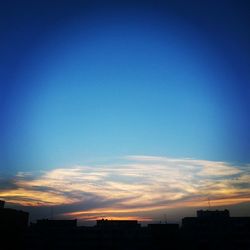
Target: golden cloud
134, 186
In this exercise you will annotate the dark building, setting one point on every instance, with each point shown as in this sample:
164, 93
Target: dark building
52, 234
240, 224
2, 204
13, 226
164, 228
119, 234
163, 236
126, 224
216, 230
207, 220
46, 223
64, 234
213, 213
13, 219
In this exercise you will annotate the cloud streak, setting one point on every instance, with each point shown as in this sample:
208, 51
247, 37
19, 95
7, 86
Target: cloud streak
133, 187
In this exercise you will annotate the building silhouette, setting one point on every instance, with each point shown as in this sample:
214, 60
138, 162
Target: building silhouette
216, 230
13, 225
57, 224
213, 214
2, 203
209, 230
116, 224
207, 220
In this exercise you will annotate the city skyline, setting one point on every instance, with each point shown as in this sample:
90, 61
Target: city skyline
145, 188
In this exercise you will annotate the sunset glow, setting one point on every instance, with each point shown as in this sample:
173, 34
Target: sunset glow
129, 188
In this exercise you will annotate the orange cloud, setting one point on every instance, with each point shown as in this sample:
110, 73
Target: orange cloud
136, 185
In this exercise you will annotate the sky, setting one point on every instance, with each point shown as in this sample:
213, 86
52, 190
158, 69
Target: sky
124, 109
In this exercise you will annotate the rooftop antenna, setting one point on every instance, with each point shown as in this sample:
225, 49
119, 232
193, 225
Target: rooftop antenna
52, 212
165, 218
209, 204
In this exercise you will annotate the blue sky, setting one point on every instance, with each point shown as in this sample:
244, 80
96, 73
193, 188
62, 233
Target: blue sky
84, 83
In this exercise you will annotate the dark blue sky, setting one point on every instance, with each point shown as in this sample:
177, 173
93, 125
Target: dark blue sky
88, 79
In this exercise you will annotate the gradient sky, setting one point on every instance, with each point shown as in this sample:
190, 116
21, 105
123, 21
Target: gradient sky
138, 107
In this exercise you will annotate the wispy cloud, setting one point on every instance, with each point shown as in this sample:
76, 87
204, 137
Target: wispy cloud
134, 187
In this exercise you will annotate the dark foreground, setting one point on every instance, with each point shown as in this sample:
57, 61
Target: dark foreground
156, 236
209, 230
